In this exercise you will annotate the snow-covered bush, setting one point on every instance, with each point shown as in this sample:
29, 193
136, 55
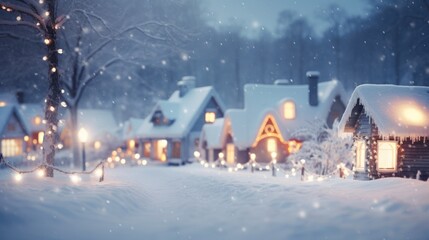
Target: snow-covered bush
323, 149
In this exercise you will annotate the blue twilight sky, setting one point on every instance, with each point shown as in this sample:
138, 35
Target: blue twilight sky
262, 14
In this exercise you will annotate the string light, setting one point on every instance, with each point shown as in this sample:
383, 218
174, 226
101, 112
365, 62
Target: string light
47, 41
47, 14
40, 173
54, 69
18, 18
45, 58
60, 51
18, 177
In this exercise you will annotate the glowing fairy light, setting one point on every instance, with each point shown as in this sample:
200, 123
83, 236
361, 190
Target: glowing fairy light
18, 177
47, 14
18, 18
45, 58
40, 173
144, 162
75, 178
47, 41
98, 172
63, 104
60, 51
54, 69
52, 108
123, 161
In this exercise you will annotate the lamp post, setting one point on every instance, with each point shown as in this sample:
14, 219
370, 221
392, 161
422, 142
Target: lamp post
273, 162
83, 137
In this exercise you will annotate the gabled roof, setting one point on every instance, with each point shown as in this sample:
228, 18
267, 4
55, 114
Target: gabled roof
262, 100
6, 113
212, 134
28, 113
183, 110
401, 111
130, 128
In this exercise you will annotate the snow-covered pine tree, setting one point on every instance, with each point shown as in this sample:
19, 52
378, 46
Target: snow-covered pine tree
323, 149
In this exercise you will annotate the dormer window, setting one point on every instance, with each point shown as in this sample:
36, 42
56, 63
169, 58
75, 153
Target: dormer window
289, 111
210, 116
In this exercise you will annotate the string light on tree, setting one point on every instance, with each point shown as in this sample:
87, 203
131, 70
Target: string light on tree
47, 41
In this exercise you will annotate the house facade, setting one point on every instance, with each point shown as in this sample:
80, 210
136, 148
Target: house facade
13, 134
390, 126
171, 132
272, 113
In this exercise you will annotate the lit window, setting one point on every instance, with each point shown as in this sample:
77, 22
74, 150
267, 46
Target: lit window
40, 137
360, 155
210, 117
271, 145
132, 144
11, 147
230, 153
294, 146
289, 110
387, 154
37, 120
161, 149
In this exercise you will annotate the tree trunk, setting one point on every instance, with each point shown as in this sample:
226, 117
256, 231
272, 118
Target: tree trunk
53, 97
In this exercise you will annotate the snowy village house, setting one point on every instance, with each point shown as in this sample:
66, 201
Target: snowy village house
172, 130
13, 134
390, 125
270, 116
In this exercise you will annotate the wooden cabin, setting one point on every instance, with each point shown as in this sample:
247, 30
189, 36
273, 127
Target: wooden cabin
272, 113
171, 132
390, 125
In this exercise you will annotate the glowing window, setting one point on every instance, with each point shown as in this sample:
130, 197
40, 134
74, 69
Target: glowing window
131, 144
40, 137
387, 154
289, 111
210, 117
11, 147
230, 153
161, 149
271, 145
360, 155
2, 104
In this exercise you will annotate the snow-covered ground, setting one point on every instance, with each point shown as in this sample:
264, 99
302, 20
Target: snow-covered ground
191, 202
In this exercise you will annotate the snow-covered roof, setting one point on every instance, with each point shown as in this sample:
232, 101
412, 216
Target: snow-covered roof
130, 127
29, 112
261, 100
183, 110
99, 123
6, 113
401, 111
212, 134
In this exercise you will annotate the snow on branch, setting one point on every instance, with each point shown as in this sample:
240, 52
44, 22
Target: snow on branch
21, 23
88, 16
26, 11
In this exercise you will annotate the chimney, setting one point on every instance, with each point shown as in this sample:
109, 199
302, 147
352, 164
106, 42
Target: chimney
283, 82
20, 96
313, 80
185, 85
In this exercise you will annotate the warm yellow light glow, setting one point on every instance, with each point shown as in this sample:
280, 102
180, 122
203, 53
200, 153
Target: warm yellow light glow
360, 155
293, 146
386, 156
221, 155
40, 137
75, 178
2, 104
197, 154
412, 115
26, 138
144, 162
210, 117
18, 177
83, 135
97, 145
98, 172
47, 41
271, 145
37, 120
252, 156
123, 161
132, 144
289, 110
161, 149
40, 173
273, 155
230, 153
137, 156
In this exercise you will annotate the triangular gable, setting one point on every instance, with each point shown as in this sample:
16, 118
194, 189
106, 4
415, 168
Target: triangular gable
12, 125
268, 128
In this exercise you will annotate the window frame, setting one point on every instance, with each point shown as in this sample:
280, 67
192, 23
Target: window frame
393, 144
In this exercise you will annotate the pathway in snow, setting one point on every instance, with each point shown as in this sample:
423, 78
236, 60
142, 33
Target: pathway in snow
191, 202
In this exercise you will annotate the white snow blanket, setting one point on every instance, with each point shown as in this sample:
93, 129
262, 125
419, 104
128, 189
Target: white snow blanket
160, 202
